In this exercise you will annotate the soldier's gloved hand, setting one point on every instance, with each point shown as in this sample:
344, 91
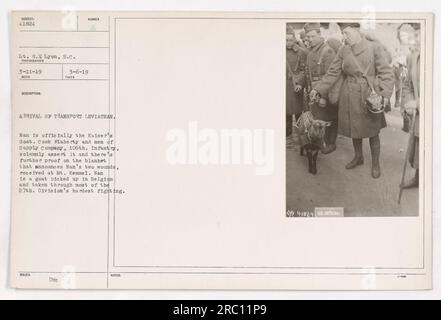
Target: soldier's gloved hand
298, 88
314, 95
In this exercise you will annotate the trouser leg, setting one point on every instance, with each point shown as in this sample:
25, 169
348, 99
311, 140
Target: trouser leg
331, 137
331, 133
375, 153
358, 154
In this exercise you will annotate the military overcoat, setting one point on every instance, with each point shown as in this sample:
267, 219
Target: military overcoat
369, 58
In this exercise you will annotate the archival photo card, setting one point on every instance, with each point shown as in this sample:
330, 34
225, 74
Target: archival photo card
181, 150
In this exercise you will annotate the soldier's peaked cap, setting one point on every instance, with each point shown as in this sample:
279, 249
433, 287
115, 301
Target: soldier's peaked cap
311, 26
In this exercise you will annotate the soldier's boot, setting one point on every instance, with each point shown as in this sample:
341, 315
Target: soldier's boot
358, 158
330, 138
412, 183
375, 153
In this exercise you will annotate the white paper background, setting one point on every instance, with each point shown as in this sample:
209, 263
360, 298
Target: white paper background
239, 5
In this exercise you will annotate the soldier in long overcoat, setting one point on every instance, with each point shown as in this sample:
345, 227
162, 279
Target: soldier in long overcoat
320, 57
405, 34
411, 105
360, 61
295, 63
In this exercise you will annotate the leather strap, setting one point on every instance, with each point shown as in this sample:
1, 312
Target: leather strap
364, 74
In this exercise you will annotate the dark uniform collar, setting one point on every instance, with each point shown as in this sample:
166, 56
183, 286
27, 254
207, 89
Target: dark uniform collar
360, 47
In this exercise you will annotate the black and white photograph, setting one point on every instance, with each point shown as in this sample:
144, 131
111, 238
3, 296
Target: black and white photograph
352, 118
149, 153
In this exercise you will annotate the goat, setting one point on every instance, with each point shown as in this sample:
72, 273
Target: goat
310, 133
